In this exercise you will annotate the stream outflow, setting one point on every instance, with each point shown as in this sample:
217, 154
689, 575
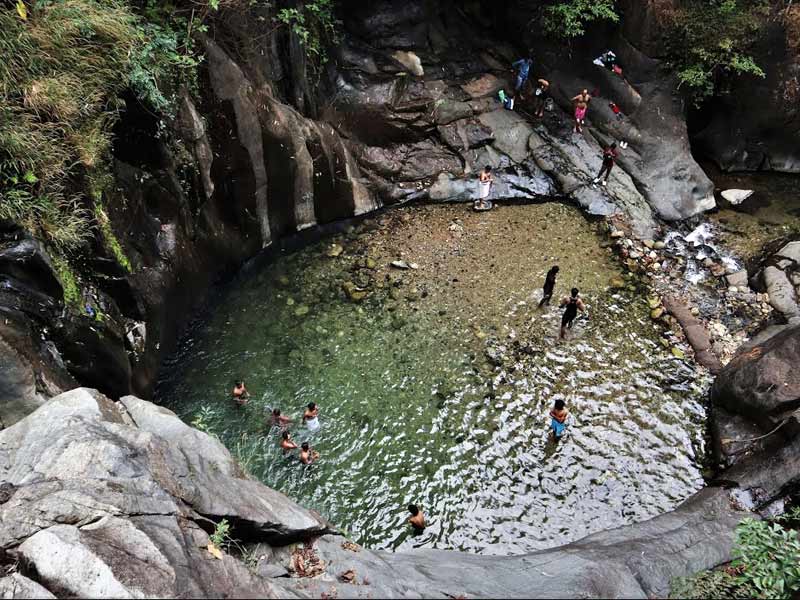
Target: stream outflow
434, 384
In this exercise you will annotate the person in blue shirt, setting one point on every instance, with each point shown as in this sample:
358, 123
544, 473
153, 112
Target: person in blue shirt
523, 68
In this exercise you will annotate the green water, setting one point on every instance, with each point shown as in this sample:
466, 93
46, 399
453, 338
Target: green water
412, 411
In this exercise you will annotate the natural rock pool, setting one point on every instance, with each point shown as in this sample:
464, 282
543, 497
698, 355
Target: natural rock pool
435, 387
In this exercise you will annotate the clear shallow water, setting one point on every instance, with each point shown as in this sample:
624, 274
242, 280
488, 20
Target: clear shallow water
412, 410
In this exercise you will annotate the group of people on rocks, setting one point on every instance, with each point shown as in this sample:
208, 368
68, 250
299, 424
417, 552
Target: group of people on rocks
541, 91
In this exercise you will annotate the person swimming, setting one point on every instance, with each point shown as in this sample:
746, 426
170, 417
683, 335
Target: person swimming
558, 418
307, 454
287, 444
417, 518
278, 419
311, 417
573, 304
240, 393
549, 285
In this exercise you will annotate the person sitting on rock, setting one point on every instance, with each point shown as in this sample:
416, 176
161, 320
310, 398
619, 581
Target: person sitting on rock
307, 454
581, 102
240, 393
417, 519
549, 285
541, 93
287, 444
310, 416
609, 156
278, 419
485, 180
573, 303
558, 418
523, 68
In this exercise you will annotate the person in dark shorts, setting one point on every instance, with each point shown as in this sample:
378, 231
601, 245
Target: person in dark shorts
573, 304
549, 285
540, 95
609, 156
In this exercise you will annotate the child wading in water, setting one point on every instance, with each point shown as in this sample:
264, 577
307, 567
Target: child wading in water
558, 418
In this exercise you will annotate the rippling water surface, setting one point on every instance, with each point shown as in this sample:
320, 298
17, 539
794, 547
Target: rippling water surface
412, 410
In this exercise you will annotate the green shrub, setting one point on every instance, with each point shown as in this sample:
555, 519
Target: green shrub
65, 64
769, 556
568, 18
708, 42
314, 24
767, 565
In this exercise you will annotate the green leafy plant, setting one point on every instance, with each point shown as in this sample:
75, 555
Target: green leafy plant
767, 564
314, 24
708, 42
568, 18
203, 420
768, 557
221, 536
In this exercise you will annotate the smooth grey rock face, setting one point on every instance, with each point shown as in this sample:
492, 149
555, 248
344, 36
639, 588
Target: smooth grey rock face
20, 587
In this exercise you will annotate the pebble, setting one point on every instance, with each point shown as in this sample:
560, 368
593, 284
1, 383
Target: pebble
616, 234
649, 244
733, 289
659, 245
695, 311
334, 250
656, 313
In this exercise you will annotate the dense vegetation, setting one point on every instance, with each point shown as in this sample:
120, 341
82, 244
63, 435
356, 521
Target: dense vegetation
767, 564
709, 42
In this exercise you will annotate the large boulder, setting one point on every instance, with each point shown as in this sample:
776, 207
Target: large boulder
762, 382
102, 499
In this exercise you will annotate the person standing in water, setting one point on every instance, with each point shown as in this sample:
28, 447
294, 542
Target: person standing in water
549, 285
558, 418
573, 304
485, 180
311, 416
609, 156
581, 102
417, 519
307, 454
240, 393
287, 444
278, 419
